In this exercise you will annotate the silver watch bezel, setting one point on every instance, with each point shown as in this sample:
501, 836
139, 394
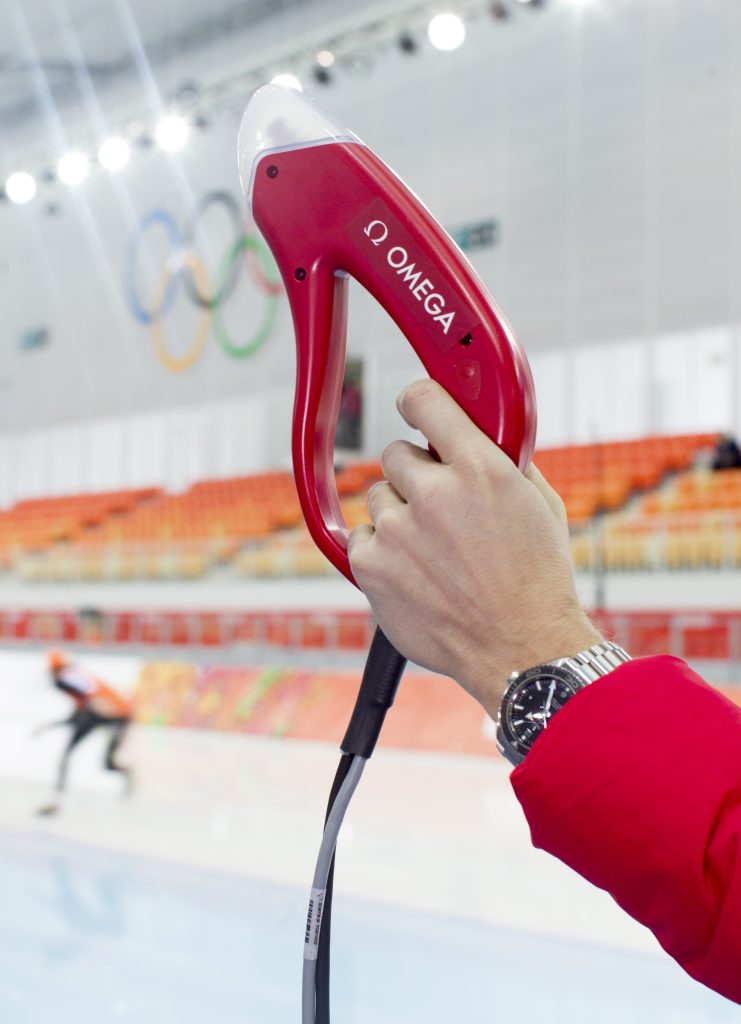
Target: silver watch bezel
578, 672
560, 670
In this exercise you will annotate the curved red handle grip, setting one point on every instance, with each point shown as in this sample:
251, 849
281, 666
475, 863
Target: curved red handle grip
320, 317
331, 210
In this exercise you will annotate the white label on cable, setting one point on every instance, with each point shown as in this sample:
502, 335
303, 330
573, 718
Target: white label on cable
314, 924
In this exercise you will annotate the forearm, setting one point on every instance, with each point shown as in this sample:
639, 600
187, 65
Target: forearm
637, 786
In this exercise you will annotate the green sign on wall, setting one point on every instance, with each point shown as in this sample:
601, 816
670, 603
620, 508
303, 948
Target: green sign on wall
482, 235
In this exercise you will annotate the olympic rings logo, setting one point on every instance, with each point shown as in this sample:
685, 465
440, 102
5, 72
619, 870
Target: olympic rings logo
184, 266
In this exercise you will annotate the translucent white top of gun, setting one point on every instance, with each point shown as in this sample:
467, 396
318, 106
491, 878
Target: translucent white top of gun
276, 119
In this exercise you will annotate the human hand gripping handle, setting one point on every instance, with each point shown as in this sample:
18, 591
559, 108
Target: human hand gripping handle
467, 564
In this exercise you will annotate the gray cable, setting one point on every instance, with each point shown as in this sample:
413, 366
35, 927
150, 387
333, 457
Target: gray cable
319, 886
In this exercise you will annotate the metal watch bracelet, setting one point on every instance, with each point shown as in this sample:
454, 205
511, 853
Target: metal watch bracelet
596, 661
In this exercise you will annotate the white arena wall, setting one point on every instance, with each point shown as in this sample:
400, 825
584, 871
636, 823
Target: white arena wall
605, 145
631, 591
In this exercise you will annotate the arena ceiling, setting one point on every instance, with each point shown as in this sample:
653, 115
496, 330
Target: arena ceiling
57, 52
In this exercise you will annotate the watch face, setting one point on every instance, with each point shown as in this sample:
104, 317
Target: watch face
532, 702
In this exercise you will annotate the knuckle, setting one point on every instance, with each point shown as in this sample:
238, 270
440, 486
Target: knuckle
355, 535
423, 388
484, 462
378, 499
391, 453
358, 547
423, 489
476, 460
388, 523
419, 391
373, 494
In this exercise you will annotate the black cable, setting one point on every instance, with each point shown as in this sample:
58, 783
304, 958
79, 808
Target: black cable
383, 670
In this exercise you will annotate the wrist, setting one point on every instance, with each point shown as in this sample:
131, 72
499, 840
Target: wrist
488, 678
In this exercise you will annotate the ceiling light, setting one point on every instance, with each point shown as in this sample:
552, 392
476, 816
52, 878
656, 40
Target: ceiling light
114, 153
72, 169
325, 58
288, 81
172, 133
20, 187
446, 31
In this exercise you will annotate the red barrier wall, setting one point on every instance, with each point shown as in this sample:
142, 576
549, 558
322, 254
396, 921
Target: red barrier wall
692, 635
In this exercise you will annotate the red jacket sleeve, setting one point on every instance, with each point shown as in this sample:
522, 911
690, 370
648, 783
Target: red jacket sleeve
636, 784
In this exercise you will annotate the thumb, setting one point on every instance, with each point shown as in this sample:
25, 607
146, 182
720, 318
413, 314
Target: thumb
427, 407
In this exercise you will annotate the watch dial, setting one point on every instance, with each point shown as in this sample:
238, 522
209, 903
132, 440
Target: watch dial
531, 706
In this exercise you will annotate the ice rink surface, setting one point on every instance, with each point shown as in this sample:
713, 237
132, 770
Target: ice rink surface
187, 902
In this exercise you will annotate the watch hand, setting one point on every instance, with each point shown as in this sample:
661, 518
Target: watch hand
547, 708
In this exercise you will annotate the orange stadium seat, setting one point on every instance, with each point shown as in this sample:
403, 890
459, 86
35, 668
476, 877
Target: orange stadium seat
256, 522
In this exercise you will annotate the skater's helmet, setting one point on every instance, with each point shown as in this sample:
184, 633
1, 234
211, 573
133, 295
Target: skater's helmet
57, 660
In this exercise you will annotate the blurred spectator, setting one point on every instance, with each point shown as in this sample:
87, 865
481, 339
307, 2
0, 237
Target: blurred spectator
727, 453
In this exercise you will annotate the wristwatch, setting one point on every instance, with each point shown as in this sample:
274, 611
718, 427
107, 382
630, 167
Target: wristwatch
533, 697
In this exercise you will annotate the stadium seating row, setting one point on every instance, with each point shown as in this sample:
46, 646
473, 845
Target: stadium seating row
693, 522
254, 523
